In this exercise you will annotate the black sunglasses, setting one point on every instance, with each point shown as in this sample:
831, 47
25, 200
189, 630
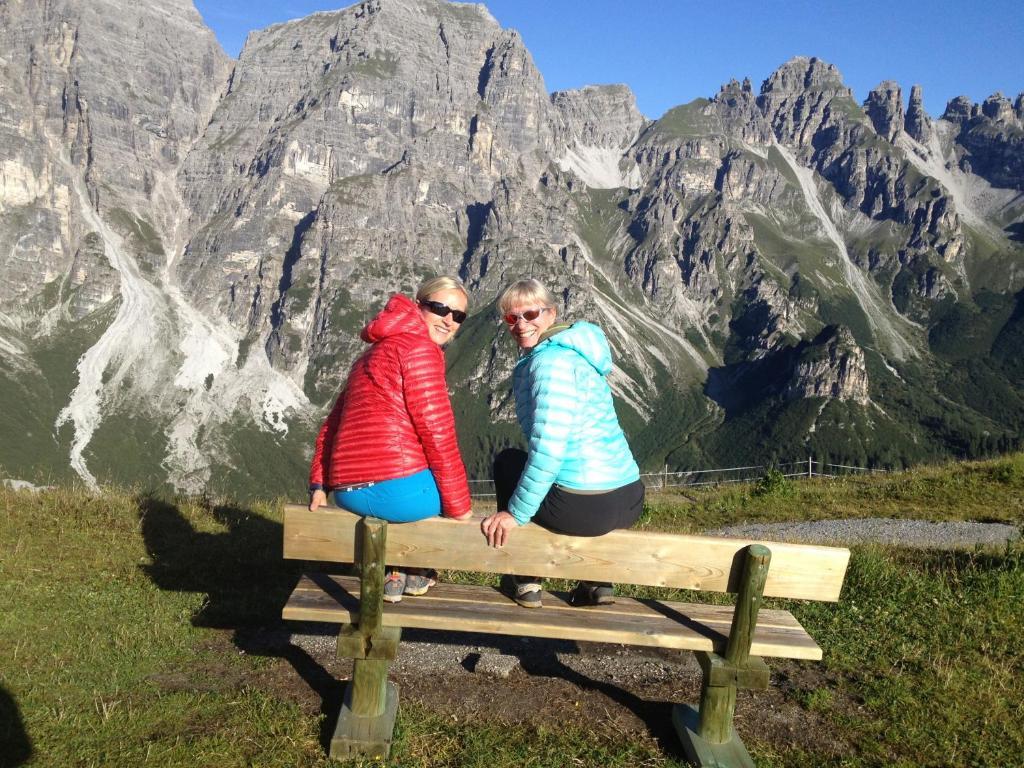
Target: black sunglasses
443, 310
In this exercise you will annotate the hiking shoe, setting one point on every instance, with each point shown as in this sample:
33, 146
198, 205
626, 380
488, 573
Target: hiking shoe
590, 593
525, 590
394, 586
418, 581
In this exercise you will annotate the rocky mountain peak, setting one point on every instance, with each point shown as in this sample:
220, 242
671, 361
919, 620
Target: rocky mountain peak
600, 115
959, 110
802, 96
993, 135
737, 107
833, 367
884, 106
999, 109
917, 123
354, 152
806, 74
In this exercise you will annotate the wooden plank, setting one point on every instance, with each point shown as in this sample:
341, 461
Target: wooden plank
343, 588
634, 557
649, 623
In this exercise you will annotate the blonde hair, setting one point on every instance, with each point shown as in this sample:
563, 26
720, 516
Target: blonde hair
441, 283
529, 290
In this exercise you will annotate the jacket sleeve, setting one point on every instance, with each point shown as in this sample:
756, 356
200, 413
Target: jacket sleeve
320, 466
553, 395
430, 409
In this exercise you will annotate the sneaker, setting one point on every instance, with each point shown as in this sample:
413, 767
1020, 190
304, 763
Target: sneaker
525, 590
418, 581
591, 593
394, 586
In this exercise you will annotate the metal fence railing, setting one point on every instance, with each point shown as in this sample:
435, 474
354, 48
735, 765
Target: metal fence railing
809, 468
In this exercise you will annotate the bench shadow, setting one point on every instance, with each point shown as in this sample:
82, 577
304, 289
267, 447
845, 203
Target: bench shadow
655, 713
247, 581
242, 571
539, 658
15, 745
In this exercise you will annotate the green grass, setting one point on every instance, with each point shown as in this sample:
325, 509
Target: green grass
688, 121
982, 490
125, 621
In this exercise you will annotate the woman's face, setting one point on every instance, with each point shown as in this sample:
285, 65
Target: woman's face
442, 328
527, 332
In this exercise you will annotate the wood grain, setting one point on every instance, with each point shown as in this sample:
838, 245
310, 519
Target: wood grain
684, 626
634, 557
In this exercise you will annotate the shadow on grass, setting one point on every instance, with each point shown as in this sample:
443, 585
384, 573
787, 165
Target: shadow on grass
15, 746
247, 582
656, 714
246, 579
540, 658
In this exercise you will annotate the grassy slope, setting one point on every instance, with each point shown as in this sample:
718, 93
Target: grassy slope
93, 660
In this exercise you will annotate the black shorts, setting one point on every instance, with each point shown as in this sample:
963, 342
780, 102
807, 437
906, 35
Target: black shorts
562, 511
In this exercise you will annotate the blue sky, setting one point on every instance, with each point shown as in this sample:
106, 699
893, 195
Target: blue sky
673, 51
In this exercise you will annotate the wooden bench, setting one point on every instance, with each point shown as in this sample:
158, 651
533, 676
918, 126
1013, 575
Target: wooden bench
729, 641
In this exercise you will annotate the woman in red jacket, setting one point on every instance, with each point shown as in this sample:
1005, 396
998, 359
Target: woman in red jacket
388, 447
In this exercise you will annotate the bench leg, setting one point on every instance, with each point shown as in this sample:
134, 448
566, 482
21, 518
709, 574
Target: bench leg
707, 734
704, 753
365, 736
367, 718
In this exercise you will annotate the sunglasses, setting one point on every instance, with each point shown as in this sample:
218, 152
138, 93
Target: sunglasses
443, 310
529, 315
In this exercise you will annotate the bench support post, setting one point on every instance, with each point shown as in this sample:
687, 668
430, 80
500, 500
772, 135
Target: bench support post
707, 734
367, 718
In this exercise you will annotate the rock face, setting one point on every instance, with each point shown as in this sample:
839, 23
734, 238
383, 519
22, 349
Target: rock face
599, 125
222, 230
917, 123
80, 133
832, 367
992, 137
884, 107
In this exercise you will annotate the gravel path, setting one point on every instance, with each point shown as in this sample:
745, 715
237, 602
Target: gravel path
555, 675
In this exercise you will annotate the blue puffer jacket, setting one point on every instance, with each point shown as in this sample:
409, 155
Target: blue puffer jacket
564, 405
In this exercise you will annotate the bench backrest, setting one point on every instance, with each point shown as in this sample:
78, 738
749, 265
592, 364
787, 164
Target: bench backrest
630, 557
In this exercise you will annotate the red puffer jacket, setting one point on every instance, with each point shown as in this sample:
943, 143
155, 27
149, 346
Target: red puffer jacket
394, 418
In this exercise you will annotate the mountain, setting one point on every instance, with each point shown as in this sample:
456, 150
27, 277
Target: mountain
190, 244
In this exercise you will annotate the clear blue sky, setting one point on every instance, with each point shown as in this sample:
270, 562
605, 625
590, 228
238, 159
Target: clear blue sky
673, 51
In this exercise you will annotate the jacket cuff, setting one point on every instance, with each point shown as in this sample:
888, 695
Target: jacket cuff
315, 487
521, 516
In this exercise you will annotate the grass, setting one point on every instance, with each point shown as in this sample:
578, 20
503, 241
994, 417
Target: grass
126, 622
982, 491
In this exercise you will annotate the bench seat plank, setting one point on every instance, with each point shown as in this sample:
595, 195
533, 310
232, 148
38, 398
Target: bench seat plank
799, 571
665, 624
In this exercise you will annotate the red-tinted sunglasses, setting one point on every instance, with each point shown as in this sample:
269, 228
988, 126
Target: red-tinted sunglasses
443, 310
529, 315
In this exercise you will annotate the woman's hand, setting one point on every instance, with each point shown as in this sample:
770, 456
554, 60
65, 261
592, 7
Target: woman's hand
463, 518
497, 528
317, 499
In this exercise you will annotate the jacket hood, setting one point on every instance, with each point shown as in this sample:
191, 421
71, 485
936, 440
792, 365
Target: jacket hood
400, 315
587, 340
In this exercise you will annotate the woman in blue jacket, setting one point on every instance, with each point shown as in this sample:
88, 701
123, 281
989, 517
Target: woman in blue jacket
578, 476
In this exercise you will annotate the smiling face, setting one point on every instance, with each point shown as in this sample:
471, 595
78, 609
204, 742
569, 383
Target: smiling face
442, 329
527, 332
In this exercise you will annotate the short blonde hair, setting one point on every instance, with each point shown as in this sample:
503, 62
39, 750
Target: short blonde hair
530, 291
441, 283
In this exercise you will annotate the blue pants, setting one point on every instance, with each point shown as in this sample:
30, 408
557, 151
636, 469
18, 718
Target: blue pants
402, 500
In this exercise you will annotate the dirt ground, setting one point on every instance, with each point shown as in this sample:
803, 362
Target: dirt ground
617, 690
